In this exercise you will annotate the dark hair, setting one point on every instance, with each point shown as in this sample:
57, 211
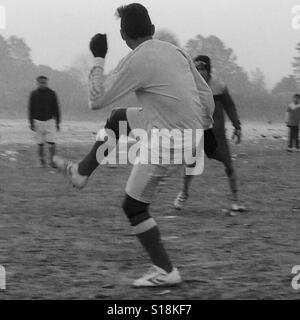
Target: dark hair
205, 60
41, 78
135, 21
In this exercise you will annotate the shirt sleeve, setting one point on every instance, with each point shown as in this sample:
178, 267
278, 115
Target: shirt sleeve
56, 110
230, 109
122, 81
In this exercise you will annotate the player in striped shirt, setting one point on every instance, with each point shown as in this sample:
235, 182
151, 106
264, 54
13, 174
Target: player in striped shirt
172, 95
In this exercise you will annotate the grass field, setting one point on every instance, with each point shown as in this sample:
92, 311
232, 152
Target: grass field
56, 242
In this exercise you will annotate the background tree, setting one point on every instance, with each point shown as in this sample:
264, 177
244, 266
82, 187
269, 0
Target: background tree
81, 67
18, 49
258, 80
17, 79
252, 99
4, 52
223, 61
286, 85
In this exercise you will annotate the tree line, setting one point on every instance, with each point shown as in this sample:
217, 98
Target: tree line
255, 102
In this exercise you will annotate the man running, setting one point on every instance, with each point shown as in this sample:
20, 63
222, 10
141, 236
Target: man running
172, 95
223, 102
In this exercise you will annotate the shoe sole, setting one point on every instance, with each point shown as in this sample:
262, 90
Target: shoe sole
166, 285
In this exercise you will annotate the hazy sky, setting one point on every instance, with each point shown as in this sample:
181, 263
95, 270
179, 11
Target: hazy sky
259, 31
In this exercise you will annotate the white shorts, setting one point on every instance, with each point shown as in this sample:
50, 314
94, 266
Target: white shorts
145, 178
45, 131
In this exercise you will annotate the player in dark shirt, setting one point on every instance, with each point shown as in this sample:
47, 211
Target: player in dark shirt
223, 102
292, 120
44, 118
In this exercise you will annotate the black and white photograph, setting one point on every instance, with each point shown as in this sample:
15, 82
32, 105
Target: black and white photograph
149, 151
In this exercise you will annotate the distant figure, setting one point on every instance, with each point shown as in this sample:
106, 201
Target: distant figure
223, 103
44, 118
292, 120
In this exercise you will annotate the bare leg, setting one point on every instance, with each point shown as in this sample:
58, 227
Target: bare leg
184, 194
41, 154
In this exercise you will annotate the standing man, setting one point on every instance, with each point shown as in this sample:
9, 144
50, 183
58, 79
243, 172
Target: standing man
223, 102
172, 95
44, 118
292, 119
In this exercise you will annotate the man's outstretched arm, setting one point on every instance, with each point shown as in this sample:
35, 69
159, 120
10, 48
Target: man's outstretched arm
230, 109
122, 81
56, 110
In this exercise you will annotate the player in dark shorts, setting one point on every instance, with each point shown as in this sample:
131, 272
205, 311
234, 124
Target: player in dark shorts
223, 102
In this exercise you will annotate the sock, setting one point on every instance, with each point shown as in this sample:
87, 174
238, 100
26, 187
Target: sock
186, 184
52, 149
41, 152
151, 241
232, 184
89, 164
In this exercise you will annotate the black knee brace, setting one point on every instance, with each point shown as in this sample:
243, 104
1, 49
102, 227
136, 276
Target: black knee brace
136, 211
113, 120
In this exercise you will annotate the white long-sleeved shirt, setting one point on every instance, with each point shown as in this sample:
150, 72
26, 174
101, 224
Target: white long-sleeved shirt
169, 89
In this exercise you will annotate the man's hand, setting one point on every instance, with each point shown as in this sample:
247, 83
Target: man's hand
98, 45
237, 136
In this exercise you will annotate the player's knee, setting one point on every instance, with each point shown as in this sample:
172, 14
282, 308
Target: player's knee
136, 211
113, 122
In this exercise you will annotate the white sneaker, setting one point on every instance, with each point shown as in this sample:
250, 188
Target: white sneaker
157, 277
70, 169
180, 201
